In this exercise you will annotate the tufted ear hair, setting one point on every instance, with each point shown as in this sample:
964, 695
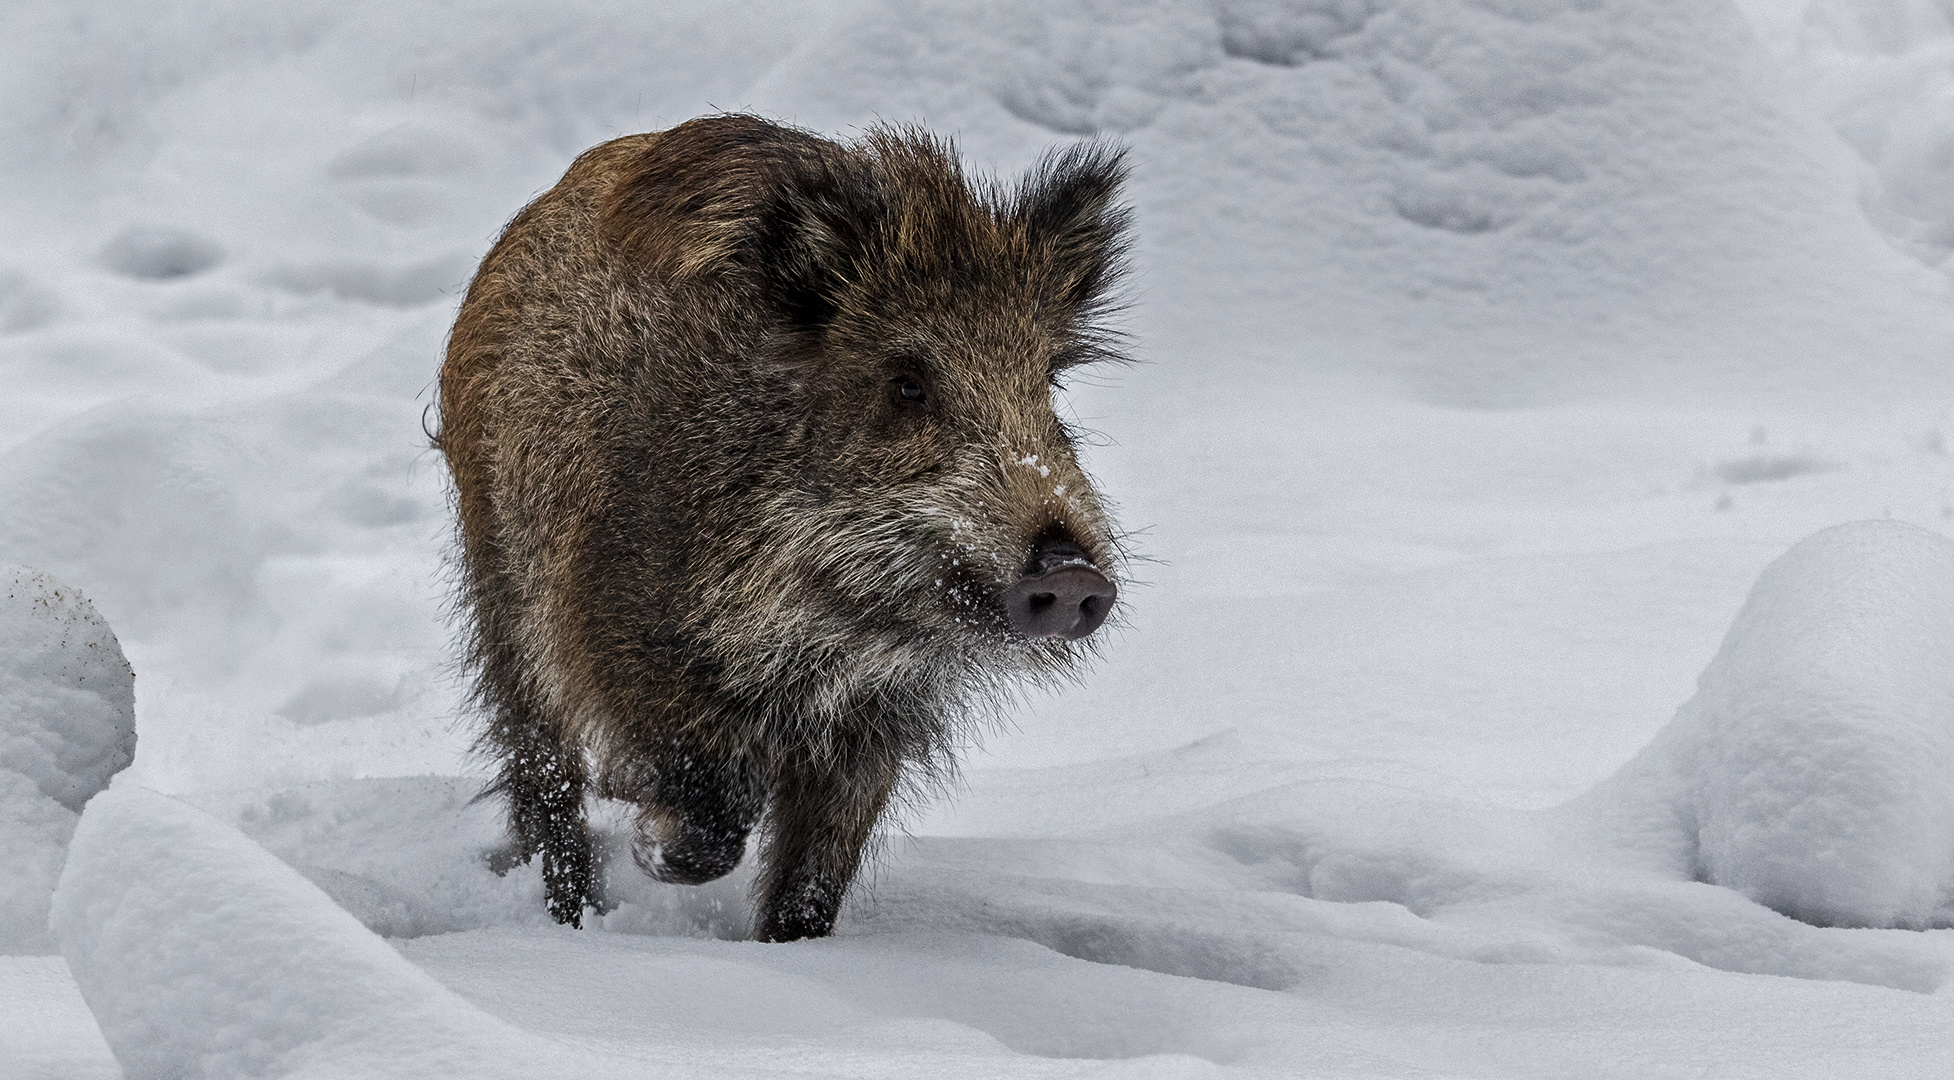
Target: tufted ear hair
895, 202
741, 195
804, 219
684, 199
814, 236
1067, 207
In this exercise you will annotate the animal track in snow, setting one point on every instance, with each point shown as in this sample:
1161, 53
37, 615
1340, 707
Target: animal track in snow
1769, 468
406, 176
152, 254
1161, 947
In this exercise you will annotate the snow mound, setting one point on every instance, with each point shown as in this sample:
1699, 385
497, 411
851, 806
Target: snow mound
67, 696
67, 724
1814, 769
201, 954
34, 831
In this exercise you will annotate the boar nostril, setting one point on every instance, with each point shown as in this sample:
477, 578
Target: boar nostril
1068, 602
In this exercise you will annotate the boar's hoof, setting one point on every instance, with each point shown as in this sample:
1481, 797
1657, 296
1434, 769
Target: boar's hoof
694, 857
1069, 600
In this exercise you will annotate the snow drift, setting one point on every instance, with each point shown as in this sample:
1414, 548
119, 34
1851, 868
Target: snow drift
202, 955
67, 725
1814, 769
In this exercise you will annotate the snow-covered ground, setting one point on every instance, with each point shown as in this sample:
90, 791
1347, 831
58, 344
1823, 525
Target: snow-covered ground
1495, 354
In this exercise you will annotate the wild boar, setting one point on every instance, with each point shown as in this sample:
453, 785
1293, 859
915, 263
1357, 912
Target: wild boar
762, 496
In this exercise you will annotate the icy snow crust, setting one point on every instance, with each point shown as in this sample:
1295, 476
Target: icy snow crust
1492, 350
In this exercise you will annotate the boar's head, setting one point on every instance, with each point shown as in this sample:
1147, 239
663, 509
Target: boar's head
921, 513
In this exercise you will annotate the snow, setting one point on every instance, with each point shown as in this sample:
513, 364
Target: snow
1883, 73
67, 724
1492, 352
1814, 769
201, 954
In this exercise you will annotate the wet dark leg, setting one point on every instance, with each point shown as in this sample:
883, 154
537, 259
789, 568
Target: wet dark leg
543, 781
820, 820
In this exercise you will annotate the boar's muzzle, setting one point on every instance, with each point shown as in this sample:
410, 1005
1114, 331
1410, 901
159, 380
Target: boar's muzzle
1063, 595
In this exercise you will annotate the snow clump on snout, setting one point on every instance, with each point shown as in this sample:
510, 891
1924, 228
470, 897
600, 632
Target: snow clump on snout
67, 725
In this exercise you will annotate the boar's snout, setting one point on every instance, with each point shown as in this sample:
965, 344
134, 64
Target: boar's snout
1063, 595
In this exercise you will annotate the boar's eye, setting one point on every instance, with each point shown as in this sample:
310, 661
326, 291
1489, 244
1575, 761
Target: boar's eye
909, 392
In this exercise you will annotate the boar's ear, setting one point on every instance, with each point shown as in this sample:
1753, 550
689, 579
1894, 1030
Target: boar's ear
731, 193
790, 211
1067, 206
811, 239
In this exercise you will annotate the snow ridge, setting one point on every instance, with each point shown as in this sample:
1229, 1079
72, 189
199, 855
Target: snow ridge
202, 955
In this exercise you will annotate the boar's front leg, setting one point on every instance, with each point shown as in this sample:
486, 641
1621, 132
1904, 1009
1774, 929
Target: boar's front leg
821, 817
543, 780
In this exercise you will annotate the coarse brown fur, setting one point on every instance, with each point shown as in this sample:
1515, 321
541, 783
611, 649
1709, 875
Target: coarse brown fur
750, 431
